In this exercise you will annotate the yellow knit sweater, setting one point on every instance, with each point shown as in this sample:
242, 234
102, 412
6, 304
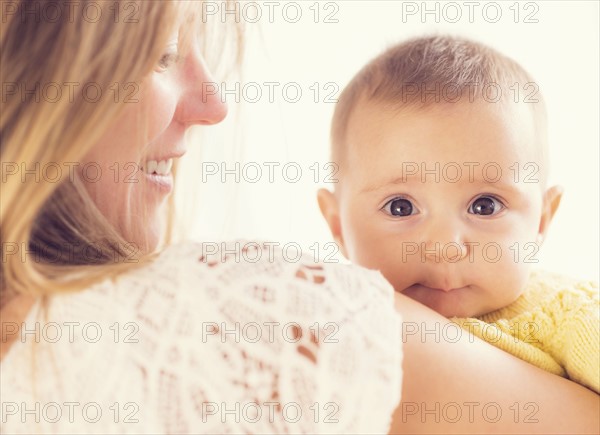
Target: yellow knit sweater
554, 324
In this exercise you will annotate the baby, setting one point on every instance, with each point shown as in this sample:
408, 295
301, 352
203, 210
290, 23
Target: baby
442, 155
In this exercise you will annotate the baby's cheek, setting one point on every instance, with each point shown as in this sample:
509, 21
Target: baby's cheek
397, 263
366, 248
509, 274
373, 250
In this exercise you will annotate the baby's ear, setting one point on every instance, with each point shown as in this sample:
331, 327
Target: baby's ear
552, 198
328, 204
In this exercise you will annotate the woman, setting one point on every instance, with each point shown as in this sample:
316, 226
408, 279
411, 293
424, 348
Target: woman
100, 333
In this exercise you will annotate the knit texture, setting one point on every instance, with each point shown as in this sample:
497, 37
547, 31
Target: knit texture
554, 324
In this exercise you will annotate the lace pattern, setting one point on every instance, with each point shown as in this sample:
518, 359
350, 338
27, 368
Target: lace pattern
208, 342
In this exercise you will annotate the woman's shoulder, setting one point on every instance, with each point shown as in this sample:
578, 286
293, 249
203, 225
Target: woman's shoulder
272, 311
236, 278
230, 264
205, 327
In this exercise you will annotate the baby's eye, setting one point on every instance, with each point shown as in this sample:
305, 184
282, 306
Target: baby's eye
399, 207
486, 206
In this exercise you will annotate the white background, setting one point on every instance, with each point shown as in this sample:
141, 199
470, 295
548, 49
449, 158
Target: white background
560, 51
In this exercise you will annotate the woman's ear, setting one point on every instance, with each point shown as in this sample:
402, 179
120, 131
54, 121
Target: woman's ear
328, 204
552, 198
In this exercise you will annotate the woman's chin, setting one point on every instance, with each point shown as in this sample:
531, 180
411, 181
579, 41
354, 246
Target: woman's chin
145, 238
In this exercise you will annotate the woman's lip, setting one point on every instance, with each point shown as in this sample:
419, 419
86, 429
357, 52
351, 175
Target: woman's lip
164, 183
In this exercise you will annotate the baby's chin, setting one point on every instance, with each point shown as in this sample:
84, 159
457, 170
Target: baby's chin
463, 302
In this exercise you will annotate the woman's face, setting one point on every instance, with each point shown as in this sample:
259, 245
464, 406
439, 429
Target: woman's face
126, 187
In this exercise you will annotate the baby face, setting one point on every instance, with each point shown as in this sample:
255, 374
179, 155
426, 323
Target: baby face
446, 202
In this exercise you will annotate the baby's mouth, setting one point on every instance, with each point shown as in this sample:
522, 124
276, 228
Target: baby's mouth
441, 288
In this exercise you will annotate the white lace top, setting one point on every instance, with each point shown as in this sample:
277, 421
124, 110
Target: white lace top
210, 339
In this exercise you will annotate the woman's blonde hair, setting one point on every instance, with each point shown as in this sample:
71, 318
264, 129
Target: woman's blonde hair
49, 223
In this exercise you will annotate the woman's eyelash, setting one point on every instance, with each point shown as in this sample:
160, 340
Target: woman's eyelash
168, 59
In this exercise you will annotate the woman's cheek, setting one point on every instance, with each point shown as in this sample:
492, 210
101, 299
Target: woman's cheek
161, 99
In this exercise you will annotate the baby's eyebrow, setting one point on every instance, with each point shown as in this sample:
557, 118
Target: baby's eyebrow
503, 183
385, 183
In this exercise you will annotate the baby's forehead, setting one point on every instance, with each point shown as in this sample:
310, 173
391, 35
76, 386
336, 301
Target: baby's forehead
381, 137
443, 130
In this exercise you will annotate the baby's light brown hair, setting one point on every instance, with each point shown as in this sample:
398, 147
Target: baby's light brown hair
424, 71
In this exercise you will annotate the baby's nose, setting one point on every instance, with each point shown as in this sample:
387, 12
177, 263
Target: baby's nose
444, 243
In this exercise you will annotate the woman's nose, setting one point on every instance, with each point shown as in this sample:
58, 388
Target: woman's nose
201, 101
